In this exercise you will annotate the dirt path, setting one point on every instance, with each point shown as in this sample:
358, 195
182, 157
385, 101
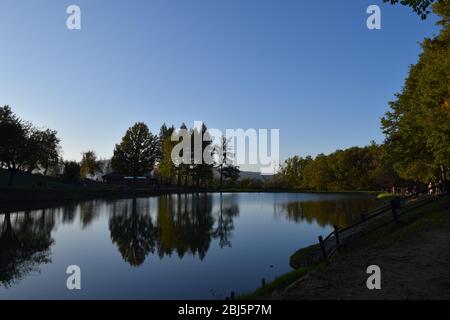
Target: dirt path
417, 268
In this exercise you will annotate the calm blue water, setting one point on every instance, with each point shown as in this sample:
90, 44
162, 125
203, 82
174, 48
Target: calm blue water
168, 247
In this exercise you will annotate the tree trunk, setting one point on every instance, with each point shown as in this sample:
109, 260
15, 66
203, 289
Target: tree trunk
12, 173
443, 178
445, 183
443, 173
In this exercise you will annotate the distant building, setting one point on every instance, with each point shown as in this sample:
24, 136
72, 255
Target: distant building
118, 178
114, 178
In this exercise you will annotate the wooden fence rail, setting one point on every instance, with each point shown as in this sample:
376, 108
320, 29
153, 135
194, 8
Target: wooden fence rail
341, 236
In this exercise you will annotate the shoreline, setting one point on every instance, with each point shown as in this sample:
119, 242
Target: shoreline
26, 198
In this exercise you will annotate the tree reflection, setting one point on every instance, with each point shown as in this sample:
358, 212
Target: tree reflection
69, 213
225, 224
185, 224
132, 231
336, 212
89, 211
25, 242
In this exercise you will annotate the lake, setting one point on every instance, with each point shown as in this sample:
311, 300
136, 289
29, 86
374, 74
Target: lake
188, 246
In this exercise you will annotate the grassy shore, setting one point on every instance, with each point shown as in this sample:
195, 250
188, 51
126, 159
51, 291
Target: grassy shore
412, 228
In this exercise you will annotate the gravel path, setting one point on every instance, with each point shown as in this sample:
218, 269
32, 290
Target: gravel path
417, 268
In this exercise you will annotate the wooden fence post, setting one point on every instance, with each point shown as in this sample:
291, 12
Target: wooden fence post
322, 247
336, 235
394, 207
447, 187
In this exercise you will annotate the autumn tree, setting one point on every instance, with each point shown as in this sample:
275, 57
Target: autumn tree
89, 164
166, 167
417, 127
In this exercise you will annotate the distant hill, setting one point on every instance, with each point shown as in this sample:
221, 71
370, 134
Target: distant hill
248, 175
255, 176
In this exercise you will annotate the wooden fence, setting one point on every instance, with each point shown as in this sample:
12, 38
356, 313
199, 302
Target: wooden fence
386, 214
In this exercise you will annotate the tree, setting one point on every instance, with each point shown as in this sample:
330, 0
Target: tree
417, 128
356, 168
14, 135
421, 7
164, 132
230, 172
71, 171
49, 150
137, 152
201, 172
183, 169
89, 164
33, 150
226, 168
24, 147
42, 150
166, 167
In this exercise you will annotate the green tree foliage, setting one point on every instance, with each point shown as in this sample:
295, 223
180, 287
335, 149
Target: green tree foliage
201, 172
42, 150
23, 147
71, 171
89, 164
49, 149
14, 140
230, 173
421, 7
417, 127
355, 168
137, 152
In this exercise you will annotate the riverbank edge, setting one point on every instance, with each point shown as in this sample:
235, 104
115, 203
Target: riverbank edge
428, 217
28, 198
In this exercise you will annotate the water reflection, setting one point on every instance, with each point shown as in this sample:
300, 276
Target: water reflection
132, 230
25, 242
342, 212
185, 224
159, 227
225, 220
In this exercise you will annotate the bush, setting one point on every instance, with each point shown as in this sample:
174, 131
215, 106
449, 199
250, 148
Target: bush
71, 171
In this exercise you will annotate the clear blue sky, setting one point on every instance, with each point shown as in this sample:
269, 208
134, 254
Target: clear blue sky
310, 68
